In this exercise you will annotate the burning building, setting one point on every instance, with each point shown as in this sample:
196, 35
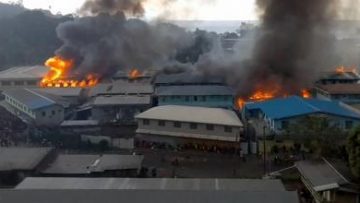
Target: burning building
341, 75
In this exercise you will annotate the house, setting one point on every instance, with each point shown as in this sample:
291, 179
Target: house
186, 78
76, 165
339, 76
111, 190
18, 162
326, 183
346, 93
196, 95
118, 108
36, 107
278, 114
176, 125
22, 77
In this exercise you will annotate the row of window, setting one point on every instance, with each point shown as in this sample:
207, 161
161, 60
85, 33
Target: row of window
20, 106
53, 112
193, 126
18, 83
196, 98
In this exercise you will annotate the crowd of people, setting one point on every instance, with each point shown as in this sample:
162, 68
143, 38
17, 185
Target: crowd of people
209, 148
11, 128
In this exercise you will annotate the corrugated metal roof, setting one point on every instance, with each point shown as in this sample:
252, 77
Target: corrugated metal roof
339, 88
64, 92
121, 87
196, 90
142, 196
153, 184
31, 72
204, 115
20, 158
34, 99
320, 174
122, 100
86, 163
296, 106
187, 78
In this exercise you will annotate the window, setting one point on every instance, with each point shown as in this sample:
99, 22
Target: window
228, 129
177, 124
32, 83
193, 126
195, 98
348, 124
146, 122
161, 123
5, 83
203, 98
209, 127
187, 98
284, 124
19, 83
43, 113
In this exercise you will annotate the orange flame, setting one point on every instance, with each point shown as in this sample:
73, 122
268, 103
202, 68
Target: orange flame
58, 74
134, 74
343, 69
305, 93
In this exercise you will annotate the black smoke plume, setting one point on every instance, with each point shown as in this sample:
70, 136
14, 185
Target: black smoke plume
292, 45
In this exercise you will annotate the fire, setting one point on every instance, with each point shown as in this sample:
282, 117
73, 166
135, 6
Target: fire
305, 93
134, 74
58, 75
343, 69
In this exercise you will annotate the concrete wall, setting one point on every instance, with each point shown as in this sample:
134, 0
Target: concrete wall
52, 115
219, 130
206, 101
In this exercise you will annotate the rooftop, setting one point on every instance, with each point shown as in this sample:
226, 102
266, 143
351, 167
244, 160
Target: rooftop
85, 163
34, 99
351, 88
25, 72
186, 78
141, 196
346, 75
321, 175
293, 106
71, 123
63, 92
18, 158
204, 115
121, 88
152, 184
122, 100
200, 90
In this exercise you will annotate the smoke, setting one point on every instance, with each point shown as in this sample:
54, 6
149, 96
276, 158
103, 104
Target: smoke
108, 41
293, 43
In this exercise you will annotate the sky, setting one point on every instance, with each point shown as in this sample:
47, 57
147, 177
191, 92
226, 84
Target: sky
185, 9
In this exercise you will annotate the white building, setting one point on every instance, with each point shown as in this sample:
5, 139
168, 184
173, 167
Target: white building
35, 107
184, 124
20, 77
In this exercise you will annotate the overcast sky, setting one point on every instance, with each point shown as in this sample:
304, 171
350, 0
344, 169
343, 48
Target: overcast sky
219, 10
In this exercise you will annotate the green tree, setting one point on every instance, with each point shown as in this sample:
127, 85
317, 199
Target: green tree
317, 134
353, 149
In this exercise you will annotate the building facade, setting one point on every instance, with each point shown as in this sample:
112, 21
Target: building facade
176, 125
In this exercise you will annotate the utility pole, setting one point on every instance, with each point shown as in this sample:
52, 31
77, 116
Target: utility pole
264, 144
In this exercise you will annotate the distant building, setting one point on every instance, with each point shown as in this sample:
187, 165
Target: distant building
196, 95
326, 183
121, 88
347, 93
185, 125
36, 107
17, 163
22, 77
134, 190
278, 114
187, 78
339, 77
76, 165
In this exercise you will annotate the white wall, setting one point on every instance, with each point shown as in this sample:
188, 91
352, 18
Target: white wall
54, 115
185, 128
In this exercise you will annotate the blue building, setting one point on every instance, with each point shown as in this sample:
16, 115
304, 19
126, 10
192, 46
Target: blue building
278, 114
196, 95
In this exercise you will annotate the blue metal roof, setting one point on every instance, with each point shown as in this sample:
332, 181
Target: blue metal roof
296, 106
30, 98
